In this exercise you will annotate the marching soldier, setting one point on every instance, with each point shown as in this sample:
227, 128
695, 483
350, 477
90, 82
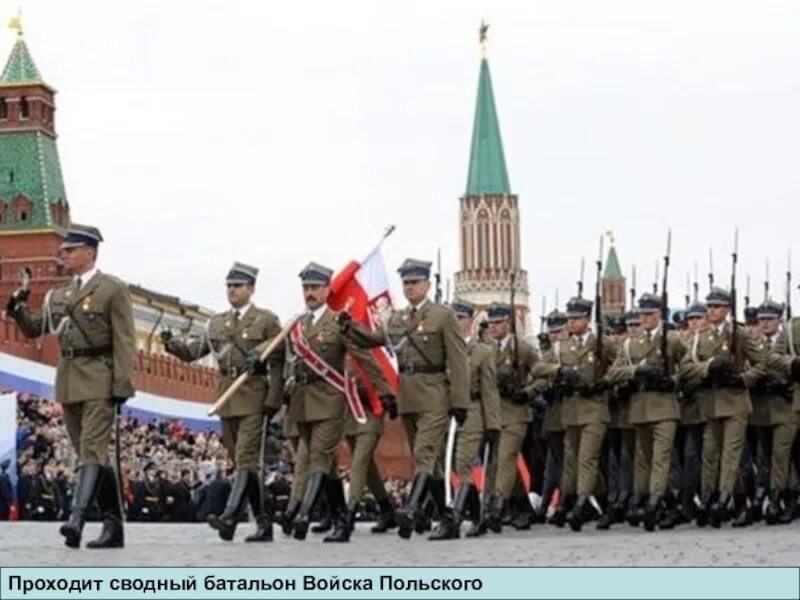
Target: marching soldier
515, 358
584, 412
234, 338
318, 400
773, 419
482, 425
434, 379
621, 436
654, 408
553, 425
93, 319
689, 436
712, 362
300, 470
362, 439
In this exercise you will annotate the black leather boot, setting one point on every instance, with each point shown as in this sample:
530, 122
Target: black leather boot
325, 523
497, 508
387, 519
651, 511
720, 510
634, 514
559, 518
671, 515
286, 518
112, 535
316, 482
701, 511
88, 478
744, 515
757, 510
620, 507
408, 517
263, 516
773, 512
343, 520
449, 522
225, 523
576, 517
788, 508
424, 519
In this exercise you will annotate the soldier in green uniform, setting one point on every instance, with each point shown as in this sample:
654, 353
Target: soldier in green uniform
654, 408
689, 437
93, 319
515, 358
712, 362
773, 419
300, 471
481, 426
434, 380
234, 338
621, 436
318, 401
550, 351
362, 439
584, 412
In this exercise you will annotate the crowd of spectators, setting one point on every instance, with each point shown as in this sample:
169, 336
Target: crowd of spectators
170, 472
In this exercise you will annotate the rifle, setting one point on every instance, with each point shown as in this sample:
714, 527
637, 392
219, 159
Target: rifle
687, 297
598, 315
696, 284
734, 337
514, 339
664, 306
543, 317
710, 269
438, 294
766, 281
633, 286
655, 280
580, 281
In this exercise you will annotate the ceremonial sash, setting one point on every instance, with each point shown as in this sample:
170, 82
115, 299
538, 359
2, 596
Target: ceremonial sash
343, 383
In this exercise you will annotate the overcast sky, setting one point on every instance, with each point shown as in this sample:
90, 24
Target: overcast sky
195, 134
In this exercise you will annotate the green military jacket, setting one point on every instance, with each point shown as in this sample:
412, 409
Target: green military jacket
98, 316
770, 405
429, 340
544, 379
507, 379
721, 402
647, 406
313, 398
619, 395
781, 357
230, 342
591, 406
484, 398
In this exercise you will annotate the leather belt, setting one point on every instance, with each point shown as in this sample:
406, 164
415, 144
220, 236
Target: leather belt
411, 369
70, 353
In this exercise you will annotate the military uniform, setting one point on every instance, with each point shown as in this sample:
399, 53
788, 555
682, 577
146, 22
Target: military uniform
235, 338
774, 420
93, 319
318, 405
515, 409
709, 361
654, 408
434, 383
584, 412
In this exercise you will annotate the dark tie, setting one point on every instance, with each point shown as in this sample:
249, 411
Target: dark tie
413, 312
78, 283
236, 315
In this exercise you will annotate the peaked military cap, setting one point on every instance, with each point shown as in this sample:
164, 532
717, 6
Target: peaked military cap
679, 316
556, 321
81, 235
719, 297
415, 270
698, 309
751, 314
649, 303
316, 274
498, 312
463, 308
770, 310
241, 273
579, 307
633, 317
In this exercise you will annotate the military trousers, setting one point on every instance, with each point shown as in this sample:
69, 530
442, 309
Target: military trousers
89, 427
426, 433
363, 470
620, 448
511, 437
300, 472
470, 436
688, 450
723, 440
241, 437
321, 439
653, 459
774, 455
583, 445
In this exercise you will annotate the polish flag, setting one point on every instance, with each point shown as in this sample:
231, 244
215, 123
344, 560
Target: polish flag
364, 289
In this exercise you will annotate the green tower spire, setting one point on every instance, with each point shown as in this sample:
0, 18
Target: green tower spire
487, 163
20, 67
612, 270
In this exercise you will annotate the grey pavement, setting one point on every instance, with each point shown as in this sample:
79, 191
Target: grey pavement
38, 544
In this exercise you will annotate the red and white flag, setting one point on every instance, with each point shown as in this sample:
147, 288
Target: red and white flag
364, 289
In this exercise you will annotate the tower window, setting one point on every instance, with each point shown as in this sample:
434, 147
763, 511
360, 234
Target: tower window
3, 108
22, 208
24, 108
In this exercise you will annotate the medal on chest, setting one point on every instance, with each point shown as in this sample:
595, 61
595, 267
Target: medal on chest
86, 303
